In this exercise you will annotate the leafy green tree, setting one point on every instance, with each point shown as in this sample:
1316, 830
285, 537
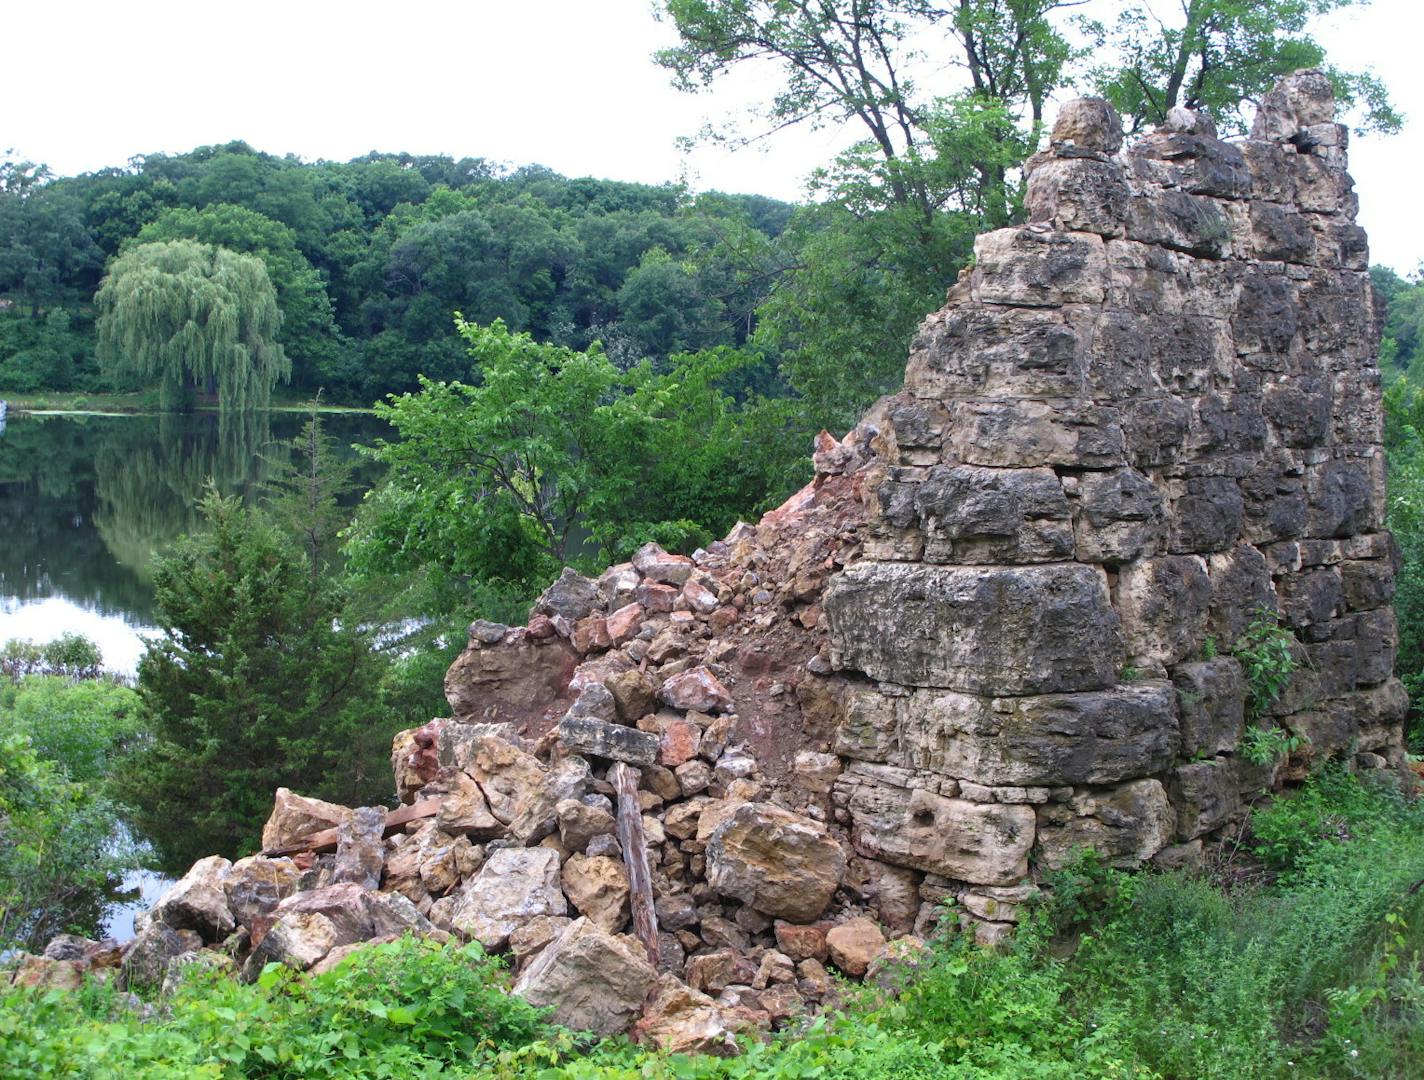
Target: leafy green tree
62, 847
558, 457
308, 333
193, 315
257, 681
1218, 55
46, 252
1402, 344
59, 856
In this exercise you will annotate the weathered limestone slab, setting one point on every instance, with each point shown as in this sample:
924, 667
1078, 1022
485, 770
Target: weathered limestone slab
1126, 824
1094, 737
896, 821
1004, 630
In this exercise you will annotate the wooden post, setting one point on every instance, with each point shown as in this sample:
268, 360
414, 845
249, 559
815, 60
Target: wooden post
624, 779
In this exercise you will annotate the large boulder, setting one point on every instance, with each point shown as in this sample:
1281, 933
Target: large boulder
514, 886
591, 980
254, 886
778, 862
199, 901
146, 962
523, 681
681, 1020
295, 817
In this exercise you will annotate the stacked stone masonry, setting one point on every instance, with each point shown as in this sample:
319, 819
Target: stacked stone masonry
997, 628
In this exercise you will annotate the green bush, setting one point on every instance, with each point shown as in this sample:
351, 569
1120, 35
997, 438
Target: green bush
402, 1009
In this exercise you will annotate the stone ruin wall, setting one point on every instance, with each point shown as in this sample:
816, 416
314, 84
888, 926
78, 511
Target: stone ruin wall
1142, 419
996, 628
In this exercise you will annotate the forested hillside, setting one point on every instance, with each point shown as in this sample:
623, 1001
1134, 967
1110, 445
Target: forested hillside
370, 258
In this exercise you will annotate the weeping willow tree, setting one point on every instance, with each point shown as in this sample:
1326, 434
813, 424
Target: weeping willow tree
193, 317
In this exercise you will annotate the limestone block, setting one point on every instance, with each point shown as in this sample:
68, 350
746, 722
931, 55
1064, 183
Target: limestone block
978, 515
1211, 698
1093, 737
1082, 194
1163, 603
973, 352
1205, 794
906, 825
1026, 433
1126, 824
1033, 266
1013, 630
1119, 517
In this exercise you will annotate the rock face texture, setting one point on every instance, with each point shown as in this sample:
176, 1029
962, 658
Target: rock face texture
999, 627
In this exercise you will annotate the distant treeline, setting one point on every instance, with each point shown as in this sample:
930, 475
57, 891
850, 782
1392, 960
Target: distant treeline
371, 258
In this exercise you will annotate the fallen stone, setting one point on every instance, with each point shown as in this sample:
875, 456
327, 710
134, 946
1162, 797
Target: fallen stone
597, 886
295, 817
360, 855
696, 689
199, 901
514, 886
680, 1020
592, 981
780, 863
854, 944
616, 742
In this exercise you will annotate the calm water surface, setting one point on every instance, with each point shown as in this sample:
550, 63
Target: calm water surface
86, 501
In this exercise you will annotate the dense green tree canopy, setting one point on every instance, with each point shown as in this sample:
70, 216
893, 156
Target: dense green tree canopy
557, 457
187, 315
308, 334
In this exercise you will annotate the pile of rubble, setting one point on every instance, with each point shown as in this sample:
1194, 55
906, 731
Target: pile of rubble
995, 629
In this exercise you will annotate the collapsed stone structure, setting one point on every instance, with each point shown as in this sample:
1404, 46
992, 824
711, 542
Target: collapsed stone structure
996, 628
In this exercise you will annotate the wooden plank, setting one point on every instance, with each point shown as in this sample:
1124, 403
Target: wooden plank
624, 779
325, 840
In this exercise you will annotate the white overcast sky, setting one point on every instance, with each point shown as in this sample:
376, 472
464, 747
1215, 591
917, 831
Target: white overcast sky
564, 83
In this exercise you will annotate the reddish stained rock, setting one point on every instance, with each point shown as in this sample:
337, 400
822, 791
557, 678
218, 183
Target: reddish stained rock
541, 628
657, 598
699, 598
697, 689
854, 944
591, 634
655, 564
414, 759
678, 741
723, 618
802, 941
522, 682
624, 623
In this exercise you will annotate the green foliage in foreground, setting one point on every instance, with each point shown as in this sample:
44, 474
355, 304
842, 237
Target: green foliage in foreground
59, 852
1173, 978
62, 850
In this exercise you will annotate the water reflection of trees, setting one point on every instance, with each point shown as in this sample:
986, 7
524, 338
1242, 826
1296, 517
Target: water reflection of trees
147, 492
86, 500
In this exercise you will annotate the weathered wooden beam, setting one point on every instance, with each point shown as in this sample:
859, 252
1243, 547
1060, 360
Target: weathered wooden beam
325, 840
624, 779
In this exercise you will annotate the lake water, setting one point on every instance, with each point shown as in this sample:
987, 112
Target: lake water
85, 503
